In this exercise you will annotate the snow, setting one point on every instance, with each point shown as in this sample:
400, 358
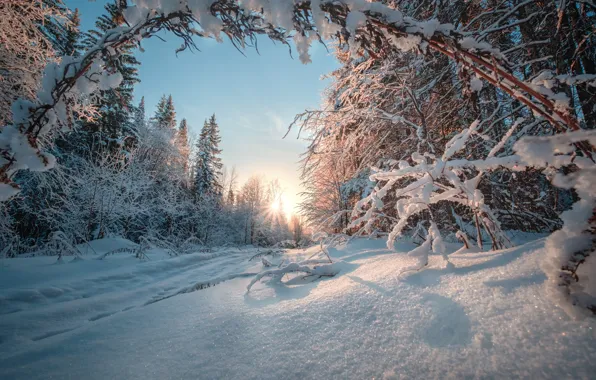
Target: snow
473, 45
476, 84
487, 316
7, 191
410, 42
63, 297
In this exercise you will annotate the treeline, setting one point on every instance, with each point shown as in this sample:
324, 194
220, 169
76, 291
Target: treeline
123, 173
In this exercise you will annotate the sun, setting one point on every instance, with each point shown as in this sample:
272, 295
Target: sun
282, 206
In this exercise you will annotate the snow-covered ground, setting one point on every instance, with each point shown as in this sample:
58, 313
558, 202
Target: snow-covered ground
119, 318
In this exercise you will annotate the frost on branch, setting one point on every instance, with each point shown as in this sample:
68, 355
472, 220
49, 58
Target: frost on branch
25, 49
431, 181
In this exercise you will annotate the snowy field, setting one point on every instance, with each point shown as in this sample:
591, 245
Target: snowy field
120, 318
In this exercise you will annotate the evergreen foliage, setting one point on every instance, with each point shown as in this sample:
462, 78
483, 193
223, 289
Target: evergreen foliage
113, 127
208, 165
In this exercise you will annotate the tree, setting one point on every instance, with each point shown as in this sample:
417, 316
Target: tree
208, 166
252, 198
27, 47
165, 115
113, 126
139, 118
182, 144
297, 228
65, 36
229, 180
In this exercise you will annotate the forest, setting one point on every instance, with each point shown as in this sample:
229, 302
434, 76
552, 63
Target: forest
452, 132
119, 170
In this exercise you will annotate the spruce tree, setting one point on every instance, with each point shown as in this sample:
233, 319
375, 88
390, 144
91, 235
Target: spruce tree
216, 164
138, 122
165, 114
139, 114
66, 41
157, 119
72, 39
114, 123
202, 169
64, 36
208, 164
170, 115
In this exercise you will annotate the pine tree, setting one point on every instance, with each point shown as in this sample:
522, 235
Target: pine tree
160, 109
138, 122
114, 124
66, 41
139, 114
214, 154
64, 36
202, 168
170, 115
72, 40
165, 114
208, 167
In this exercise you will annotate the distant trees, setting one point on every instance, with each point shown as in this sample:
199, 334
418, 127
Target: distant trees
252, 199
230, 180
297, 228
142, 193
119, 173
139, 115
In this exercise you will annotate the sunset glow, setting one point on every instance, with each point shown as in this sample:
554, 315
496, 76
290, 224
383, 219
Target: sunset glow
282, 205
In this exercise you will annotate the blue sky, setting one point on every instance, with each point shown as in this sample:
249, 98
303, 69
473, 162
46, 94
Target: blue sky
254, 97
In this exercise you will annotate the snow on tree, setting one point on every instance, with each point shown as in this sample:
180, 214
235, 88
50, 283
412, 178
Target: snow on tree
251, 199
208, 166
182, 144
113, 126
26, 47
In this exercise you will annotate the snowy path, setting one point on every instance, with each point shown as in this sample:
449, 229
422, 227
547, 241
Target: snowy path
487, 318
55, 299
